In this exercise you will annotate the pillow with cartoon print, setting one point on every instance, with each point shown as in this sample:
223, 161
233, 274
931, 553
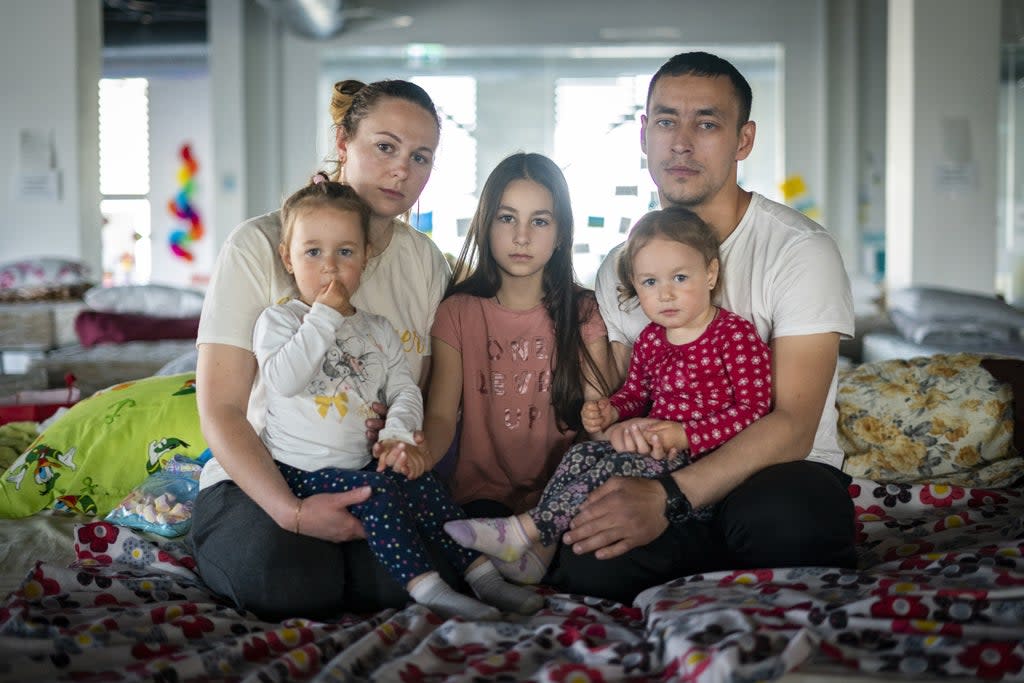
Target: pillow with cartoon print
103, 447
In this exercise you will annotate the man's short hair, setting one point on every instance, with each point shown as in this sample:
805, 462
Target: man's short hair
706, 64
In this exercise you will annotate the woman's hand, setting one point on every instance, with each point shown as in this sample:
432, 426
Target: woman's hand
326, 516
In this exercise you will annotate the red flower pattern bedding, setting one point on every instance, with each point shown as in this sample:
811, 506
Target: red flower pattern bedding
941, 594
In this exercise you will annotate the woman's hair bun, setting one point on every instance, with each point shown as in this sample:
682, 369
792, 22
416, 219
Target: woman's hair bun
349, 87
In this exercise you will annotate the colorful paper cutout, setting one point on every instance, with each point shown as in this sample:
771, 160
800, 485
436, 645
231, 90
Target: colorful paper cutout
181, 207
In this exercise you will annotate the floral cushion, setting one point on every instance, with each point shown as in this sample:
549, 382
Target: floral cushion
939, 419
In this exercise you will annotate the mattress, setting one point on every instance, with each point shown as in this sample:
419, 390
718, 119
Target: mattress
38, 325
104, 365
938, 596
885, 346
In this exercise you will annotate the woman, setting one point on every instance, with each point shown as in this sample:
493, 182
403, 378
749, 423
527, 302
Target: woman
245, 515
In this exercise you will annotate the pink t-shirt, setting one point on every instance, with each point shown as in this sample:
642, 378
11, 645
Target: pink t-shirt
510, 443
715, 386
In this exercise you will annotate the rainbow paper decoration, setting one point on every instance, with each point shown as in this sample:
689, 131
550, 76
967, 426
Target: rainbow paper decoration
181, 207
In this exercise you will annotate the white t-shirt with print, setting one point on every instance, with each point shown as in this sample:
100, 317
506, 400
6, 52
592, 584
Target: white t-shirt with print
781, 271
322, 371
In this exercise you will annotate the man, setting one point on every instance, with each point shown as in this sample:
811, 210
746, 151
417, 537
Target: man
780, 498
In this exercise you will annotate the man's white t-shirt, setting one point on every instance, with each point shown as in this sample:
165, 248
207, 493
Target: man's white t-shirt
781, 271
404, 284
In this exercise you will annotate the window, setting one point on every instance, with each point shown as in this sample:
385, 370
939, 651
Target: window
124, 180
449, 196
581, 106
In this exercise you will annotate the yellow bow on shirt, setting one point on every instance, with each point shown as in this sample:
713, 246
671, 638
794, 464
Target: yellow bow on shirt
323, 404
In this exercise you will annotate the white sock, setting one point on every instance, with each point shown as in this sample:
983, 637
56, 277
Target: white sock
431, 591
501, 537
490, 587
528, 570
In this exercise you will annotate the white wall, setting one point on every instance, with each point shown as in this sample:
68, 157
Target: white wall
943, 98
51, 55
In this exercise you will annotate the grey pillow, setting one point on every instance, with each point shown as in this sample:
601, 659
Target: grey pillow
934, 315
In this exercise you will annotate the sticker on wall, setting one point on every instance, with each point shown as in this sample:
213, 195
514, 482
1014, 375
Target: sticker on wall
182, 208
794, 193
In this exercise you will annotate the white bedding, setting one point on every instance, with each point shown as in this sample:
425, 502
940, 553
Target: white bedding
104, 365
47, 536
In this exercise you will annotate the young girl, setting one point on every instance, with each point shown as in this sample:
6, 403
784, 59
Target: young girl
324, 363
517, 344
700, 370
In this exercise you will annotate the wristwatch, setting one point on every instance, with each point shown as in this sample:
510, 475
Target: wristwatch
678, 509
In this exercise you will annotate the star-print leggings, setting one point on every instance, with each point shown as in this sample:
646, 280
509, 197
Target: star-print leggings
397, 517
585, 467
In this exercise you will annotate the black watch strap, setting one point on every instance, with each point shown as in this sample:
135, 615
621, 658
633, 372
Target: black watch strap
678, 509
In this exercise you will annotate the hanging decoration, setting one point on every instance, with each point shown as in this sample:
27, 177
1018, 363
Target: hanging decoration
181, 207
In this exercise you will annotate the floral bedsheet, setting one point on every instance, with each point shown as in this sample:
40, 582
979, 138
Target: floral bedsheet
940, 594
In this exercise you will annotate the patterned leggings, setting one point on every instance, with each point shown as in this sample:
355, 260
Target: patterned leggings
585, 467
397, 517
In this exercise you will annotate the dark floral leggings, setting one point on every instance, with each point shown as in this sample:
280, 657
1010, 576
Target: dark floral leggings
397, 517
585, 467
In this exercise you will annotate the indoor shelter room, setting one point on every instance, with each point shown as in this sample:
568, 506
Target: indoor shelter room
139, 133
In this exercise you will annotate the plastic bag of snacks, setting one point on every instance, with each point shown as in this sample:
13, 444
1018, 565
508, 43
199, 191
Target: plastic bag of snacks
162, 503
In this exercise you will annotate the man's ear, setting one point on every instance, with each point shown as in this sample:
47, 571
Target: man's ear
746, 140
643, 133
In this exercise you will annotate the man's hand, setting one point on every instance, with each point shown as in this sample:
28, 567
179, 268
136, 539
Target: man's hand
326, 516
597, 415
621, 514
412, 461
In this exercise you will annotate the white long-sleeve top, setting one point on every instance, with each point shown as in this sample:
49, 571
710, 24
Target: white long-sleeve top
322, 371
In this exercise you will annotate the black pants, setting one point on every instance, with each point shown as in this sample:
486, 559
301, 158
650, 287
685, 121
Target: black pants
245, 557
794, 514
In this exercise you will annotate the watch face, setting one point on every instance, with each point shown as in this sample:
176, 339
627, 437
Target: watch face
676, 511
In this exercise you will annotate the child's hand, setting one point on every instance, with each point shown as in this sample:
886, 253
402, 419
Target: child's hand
336, 295
671, 436
412, 461
597, 415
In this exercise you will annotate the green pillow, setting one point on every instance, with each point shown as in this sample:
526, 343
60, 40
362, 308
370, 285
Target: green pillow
105, 446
